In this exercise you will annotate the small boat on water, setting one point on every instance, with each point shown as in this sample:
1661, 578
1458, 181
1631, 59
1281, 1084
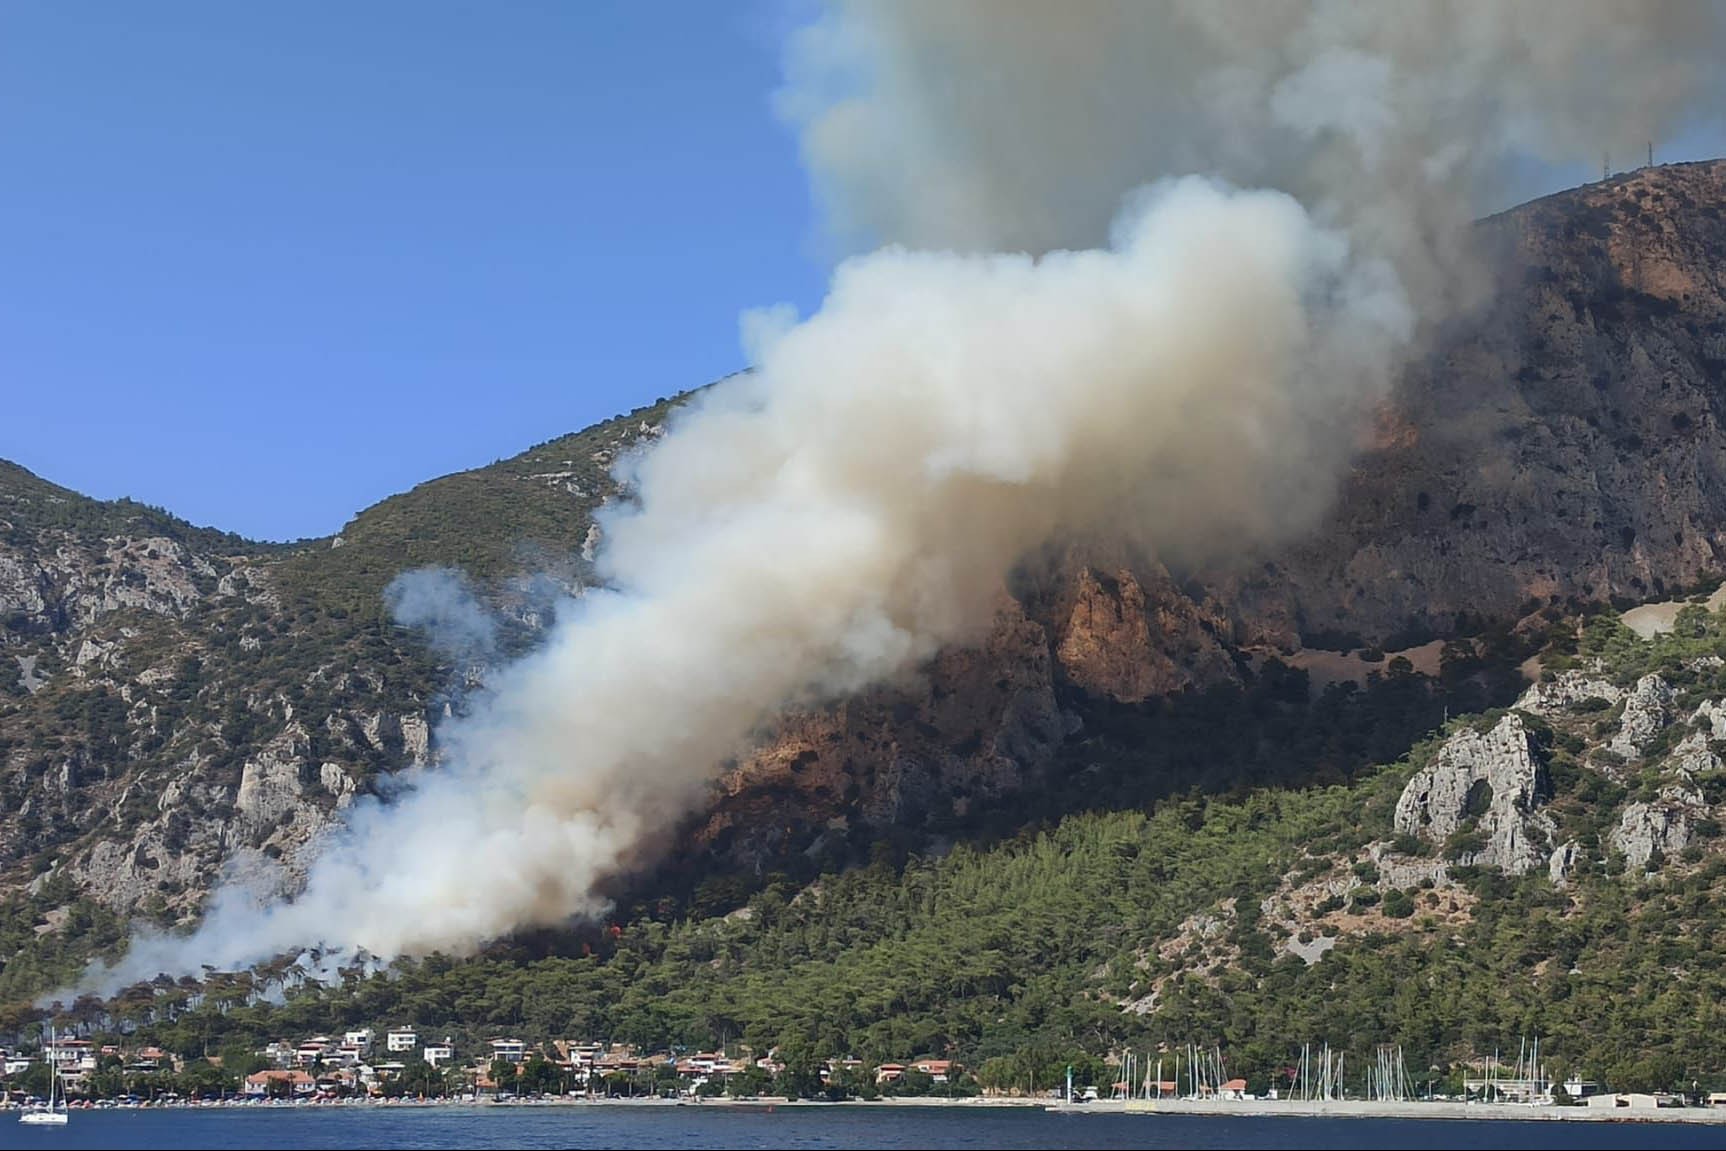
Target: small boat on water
55, 1113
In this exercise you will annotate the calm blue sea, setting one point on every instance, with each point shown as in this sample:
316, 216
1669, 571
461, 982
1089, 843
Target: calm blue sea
690, 1127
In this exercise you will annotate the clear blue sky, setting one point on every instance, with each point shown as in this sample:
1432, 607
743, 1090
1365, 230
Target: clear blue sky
265, 264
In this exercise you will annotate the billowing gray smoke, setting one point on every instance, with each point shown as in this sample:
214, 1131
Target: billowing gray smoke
1194, 375
1018, 125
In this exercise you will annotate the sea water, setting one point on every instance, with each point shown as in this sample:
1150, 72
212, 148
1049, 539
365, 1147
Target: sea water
798, 1127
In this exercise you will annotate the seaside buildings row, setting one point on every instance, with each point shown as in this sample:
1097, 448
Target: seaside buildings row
401, 1061
357, 1062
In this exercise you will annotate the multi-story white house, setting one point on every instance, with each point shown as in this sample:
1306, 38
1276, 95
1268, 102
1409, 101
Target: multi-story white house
72, 1055
402, 1039
582, 1058
361, 1039
439, 1053
509, 1050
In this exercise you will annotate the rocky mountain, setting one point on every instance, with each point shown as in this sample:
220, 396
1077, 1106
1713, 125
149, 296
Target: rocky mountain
1561, 446
185, 700
176, 699
1516, 872
1564, 443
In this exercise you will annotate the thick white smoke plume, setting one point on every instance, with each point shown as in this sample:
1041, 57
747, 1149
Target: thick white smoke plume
1018, 124
834, 518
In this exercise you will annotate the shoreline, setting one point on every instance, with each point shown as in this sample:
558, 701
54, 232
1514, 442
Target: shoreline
1150, 1109
748, 1103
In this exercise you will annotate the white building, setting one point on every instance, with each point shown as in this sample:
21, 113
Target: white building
72, 1055
402, 1039
585, 1054
509, 1050
582, 1058
439, 1053
361, 1039
17, 1064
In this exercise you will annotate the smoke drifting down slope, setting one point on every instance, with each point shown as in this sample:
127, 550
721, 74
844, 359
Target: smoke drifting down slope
833, 519
836, 517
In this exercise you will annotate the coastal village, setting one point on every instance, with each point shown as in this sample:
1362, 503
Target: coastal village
401, 1064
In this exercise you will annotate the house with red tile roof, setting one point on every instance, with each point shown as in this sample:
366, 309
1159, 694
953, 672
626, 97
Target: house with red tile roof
259, 1083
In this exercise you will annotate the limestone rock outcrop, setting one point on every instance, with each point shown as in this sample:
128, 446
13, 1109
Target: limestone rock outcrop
1692, 756
1402, 871
1647, 711
123, 873
1649, 833
1562, 864
416, 740
1710, 714
270, 784
337, 782
1491, 779
1565, 691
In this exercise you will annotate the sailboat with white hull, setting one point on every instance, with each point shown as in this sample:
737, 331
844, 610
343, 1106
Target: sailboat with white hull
55, 1113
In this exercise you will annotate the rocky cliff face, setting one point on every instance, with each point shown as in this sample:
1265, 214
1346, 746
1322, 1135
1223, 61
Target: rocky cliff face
1647, 711
1566, 443
1566, 692
1128, 637
980, 723
170, 697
